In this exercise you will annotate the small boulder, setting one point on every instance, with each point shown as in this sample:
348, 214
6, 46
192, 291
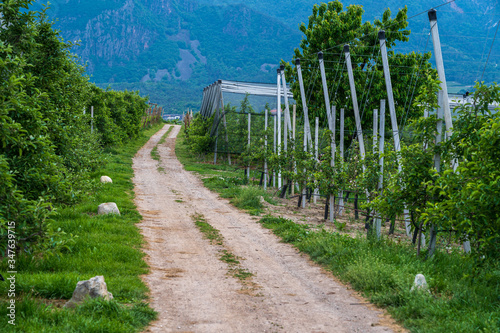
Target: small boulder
420, 283
108, 208
106, 179
93, 288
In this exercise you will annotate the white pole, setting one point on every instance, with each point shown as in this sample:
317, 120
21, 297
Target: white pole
92, 119
288, 124
278, 113
341, 148
332, 161
392, 111
375, 125
265, 145
316, 153
357, 118
293, 136
274, 144
249, 135
307, 132
306, 122
325, 87
378, 220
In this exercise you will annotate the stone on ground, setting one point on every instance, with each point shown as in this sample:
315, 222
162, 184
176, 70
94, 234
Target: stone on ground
106, 179
108, 208
420, 283
93, 288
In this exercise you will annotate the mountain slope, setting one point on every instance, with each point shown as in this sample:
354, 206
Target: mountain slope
171, 49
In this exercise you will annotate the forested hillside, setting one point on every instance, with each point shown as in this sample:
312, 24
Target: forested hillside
171, 49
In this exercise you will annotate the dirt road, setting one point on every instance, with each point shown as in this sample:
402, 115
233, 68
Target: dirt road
191, 288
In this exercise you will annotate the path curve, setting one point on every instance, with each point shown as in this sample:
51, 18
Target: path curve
190, 287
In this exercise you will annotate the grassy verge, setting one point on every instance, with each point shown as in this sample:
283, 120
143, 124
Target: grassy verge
225, 179
461, 298
93, 245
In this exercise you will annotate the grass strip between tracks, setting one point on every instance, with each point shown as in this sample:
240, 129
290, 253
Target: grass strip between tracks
108, 245
235, 269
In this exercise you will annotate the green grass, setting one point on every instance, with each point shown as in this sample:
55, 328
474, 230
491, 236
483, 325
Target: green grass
233, 262
94, 245
463, 298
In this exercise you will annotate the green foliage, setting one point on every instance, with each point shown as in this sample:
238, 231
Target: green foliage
198, 135
78, 238
470, 195
47, 148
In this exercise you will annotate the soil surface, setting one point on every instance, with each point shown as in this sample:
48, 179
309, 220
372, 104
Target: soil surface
191, 288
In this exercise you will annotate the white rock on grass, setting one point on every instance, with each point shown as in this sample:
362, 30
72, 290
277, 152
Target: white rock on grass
420, 283
106, 179
93, 288
108, 208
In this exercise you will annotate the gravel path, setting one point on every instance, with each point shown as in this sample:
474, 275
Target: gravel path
190, 286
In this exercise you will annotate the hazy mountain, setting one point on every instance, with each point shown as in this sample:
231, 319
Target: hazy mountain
171, 49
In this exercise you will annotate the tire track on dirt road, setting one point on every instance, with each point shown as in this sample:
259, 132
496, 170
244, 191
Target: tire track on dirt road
190, 287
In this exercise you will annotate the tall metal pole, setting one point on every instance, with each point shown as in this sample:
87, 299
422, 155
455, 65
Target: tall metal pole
332, 162
440, 69
249, 136
288, 124
392, 111
225, 127
325, 87
341, 148
307, 132
265, 145
274, 143
316, 153
357, 118
306, 122
293, 136
278, 114
375, 125
378, 220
